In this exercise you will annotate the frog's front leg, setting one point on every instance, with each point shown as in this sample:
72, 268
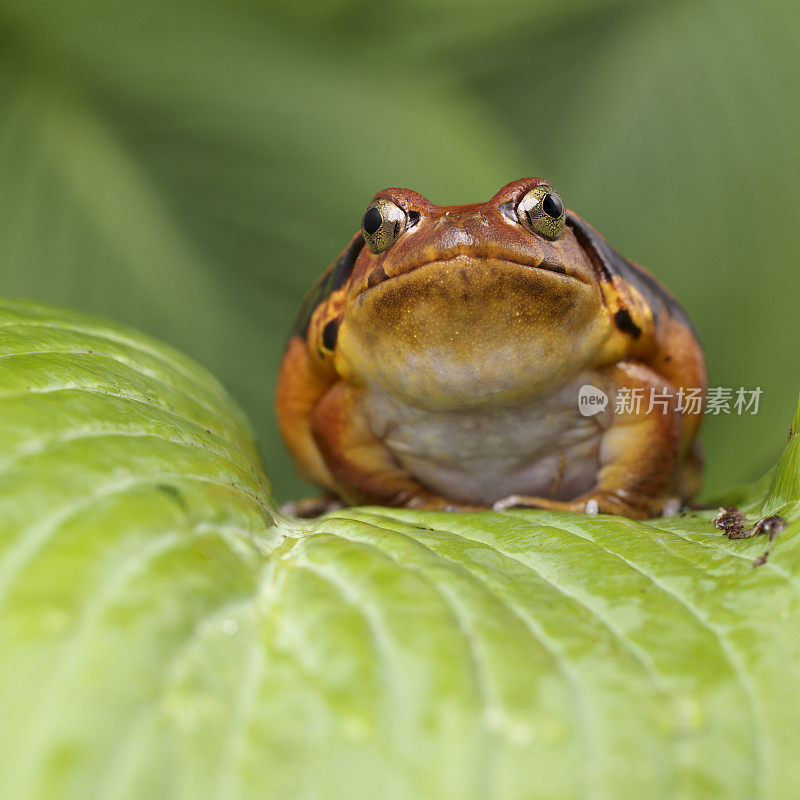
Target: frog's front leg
638, 452
364, 469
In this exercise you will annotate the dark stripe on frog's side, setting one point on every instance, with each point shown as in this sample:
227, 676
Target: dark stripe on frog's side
329, 335
622, 319
608, 263
334, 277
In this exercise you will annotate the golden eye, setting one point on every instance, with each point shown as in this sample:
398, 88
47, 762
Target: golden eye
383, 222
542, 211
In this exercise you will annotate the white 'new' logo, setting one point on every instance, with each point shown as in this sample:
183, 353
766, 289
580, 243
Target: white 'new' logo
591, 400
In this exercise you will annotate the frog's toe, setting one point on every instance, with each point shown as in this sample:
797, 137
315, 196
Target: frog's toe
591, 507
588, 504
672, 507
529, 501
310, 507
512, 501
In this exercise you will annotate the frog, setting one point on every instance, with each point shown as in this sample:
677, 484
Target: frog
489, 356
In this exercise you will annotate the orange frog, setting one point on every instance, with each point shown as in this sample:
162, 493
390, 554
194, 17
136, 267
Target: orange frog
442, 363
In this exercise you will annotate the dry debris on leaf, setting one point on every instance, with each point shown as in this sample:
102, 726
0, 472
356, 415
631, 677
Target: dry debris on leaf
734, 523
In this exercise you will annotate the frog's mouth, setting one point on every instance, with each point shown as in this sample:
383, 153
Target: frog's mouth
464, 263
460, 331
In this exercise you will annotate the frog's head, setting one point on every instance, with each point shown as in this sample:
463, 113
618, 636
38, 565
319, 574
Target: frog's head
451, 306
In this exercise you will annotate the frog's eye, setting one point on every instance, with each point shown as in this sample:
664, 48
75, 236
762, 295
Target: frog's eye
542, 211
383, 222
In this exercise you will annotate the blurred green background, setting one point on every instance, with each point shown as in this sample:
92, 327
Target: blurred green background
189, 168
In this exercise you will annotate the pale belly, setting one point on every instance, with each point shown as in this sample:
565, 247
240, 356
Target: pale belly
480, 455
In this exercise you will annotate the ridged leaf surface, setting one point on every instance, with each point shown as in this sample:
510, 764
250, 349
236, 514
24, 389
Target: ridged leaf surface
165, 634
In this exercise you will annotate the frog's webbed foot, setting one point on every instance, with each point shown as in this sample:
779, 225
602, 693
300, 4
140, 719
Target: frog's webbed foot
425, 501
594, 503
590, 506
310, 507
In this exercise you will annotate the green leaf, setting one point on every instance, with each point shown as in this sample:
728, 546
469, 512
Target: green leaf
166, 634
191, 167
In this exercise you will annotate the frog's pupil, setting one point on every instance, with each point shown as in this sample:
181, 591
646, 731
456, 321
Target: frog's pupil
552, 206
372, 220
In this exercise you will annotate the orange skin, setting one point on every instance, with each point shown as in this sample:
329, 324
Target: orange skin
443, 372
